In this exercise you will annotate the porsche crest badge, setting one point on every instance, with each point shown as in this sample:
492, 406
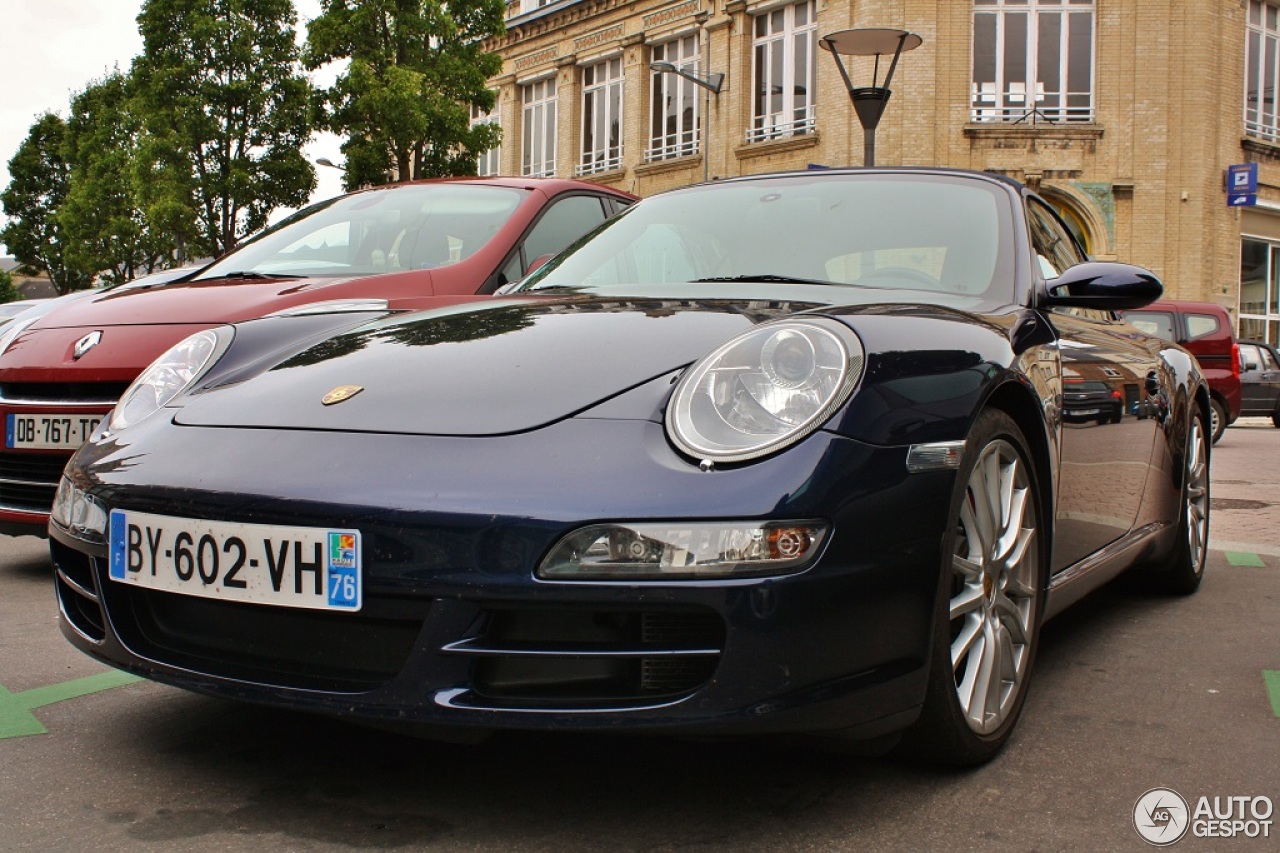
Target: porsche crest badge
342, 392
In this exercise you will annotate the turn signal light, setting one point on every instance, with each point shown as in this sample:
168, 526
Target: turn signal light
690, 550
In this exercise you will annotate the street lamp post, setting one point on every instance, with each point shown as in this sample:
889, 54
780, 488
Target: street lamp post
712, 83
869, 101
329, 164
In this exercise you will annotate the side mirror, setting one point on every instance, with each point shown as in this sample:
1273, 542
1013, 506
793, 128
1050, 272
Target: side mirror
537, 262
1105, 286
1251, 365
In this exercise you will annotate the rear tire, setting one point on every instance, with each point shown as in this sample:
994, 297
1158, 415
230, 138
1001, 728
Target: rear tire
989, 603
1218, 419
1186, 566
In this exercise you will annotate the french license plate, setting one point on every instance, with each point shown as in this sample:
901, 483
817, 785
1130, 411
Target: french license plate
308, 567
49, 432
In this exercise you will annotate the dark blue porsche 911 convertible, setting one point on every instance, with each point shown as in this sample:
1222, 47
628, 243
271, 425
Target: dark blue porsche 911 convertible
791, 452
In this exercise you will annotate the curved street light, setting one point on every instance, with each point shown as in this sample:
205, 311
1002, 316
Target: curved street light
712, 83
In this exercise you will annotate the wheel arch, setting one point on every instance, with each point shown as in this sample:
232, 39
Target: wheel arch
1211, 395
1023, 407
1203, 398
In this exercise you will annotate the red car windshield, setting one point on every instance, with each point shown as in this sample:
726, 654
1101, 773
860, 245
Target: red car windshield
392, 229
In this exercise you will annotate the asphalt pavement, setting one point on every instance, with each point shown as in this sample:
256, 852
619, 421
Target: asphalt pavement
1132, 692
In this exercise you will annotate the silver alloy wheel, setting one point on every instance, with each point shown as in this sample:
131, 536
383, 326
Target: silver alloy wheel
1215, 419
994, 596
1197, 495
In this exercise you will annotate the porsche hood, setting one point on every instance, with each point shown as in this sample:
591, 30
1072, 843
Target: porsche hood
502, 368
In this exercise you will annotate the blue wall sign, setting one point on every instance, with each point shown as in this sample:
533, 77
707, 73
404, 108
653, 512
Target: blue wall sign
1242, 184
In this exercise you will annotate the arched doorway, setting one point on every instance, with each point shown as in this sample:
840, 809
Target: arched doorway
1082, 218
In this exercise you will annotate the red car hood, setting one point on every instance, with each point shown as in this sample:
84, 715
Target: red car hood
139, 323
200, 302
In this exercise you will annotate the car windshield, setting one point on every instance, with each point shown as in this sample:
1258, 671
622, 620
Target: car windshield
9, 310
404, 227
895, 231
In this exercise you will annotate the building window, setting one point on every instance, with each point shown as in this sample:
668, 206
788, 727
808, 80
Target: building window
1032, 60
783, 72
1262, 67
533, 5
601, 117
490, 162
674, 115
538, 129
1260, 290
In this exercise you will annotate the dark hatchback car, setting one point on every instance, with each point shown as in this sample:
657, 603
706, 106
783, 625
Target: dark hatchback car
412, 245
1091, 400
771, 454
1260, 380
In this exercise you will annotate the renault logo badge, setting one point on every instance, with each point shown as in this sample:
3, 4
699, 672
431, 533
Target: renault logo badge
85, 344
342, 392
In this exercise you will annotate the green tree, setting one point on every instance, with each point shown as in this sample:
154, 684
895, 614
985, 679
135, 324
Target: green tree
416, 69
227, 113
8, 290
102, 215
39, 178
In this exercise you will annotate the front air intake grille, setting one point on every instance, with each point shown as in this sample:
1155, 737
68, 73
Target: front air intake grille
28, 480
587, 658
77, 595
308, 649
673, 675
81, 393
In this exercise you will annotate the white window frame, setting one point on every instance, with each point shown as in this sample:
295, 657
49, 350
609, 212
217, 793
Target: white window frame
791, 112
675, 99
1263, 314
603, 99
1015, 96
538, 128
489, 162
533, 5
1262, 70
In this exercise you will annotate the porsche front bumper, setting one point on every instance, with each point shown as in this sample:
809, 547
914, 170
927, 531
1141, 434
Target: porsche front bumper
456, 629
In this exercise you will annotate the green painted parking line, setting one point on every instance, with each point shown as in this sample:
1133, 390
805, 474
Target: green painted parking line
16, 719
1271, 678
1240, 558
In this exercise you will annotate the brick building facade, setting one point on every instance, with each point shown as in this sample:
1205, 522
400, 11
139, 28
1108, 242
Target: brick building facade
1123, 113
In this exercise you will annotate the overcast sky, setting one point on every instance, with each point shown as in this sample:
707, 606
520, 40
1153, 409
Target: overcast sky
54, 48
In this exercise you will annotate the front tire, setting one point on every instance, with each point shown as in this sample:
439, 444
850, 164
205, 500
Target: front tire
988, 611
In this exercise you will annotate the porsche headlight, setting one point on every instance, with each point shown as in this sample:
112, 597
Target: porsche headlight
170, 375
78, 512
764, 390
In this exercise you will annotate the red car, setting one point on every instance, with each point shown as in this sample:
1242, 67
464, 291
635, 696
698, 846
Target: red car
1206, 331
406, 246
